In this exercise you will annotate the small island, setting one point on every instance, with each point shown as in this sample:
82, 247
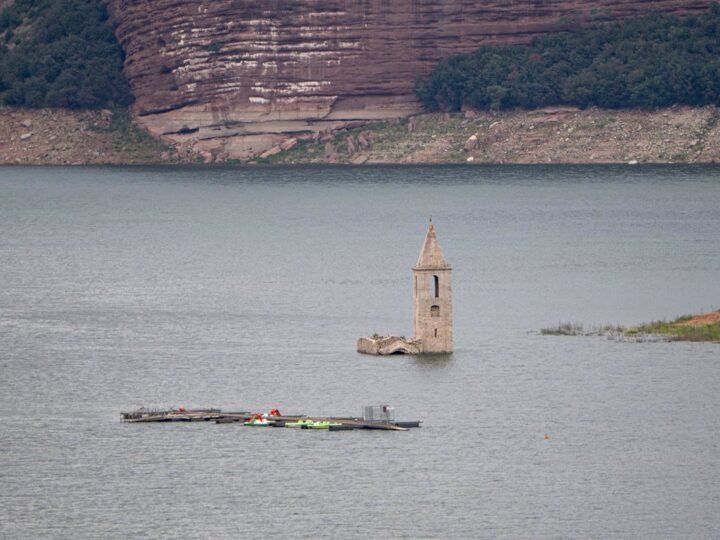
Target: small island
703, 327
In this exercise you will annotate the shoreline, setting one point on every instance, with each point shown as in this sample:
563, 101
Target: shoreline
279, 166
702, 327
553, 135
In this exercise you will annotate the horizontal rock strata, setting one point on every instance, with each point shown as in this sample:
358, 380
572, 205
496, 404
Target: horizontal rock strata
234, 78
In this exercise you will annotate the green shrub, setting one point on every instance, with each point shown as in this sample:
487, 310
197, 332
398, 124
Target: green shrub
214, 47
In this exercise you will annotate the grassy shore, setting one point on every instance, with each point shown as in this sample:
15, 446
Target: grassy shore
679, 330
704, 327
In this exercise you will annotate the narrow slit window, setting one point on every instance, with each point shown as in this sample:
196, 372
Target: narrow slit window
436, 332
437, 286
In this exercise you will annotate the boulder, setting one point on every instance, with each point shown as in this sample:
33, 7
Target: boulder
471, 143
329, 149
288, 144
351, 146
364, 139
270, 152
469, 112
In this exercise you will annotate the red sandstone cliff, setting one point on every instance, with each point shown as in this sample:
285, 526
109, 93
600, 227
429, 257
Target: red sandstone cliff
231, 77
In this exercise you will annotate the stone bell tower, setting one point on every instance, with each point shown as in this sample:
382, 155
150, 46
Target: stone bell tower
432, 298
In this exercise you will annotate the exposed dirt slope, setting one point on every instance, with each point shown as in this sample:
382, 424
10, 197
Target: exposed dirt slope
557, 135
702, 320
553, 135
63, 137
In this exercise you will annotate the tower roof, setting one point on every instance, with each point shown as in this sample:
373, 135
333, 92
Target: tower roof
431, 256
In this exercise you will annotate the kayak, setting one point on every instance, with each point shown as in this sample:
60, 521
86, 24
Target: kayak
322, 425
299, 424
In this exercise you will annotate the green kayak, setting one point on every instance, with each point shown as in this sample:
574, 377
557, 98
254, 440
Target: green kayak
299, 424
323, 425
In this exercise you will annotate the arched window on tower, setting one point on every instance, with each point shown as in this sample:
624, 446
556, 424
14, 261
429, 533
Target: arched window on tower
434, 311
437, 286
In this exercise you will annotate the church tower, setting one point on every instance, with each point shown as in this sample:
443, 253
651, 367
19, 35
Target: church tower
432, 298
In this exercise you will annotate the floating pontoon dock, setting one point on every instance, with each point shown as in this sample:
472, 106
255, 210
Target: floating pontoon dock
374, 417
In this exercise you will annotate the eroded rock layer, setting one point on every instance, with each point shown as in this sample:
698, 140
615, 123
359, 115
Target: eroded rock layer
233, 78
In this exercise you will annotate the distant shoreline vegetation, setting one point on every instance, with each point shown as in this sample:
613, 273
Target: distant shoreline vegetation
60, 53
652, 61
686, 328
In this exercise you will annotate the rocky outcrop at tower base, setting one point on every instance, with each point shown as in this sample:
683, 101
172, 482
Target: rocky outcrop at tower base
234, 78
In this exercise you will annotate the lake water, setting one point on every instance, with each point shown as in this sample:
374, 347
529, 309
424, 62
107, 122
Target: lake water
247, 289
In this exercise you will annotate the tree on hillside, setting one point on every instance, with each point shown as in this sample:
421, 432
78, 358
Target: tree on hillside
650, 61
60, 53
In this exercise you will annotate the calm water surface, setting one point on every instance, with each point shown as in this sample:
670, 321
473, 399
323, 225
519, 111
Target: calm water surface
247, 288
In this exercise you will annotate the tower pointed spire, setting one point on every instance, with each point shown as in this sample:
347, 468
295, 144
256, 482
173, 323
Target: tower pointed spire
432, 298
431, 255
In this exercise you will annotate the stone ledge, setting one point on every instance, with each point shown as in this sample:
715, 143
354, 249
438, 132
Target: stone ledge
385, 345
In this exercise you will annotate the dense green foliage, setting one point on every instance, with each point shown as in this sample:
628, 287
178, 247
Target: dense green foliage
652, 61
60, 53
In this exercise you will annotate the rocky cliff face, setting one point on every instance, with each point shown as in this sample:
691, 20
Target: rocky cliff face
233, 78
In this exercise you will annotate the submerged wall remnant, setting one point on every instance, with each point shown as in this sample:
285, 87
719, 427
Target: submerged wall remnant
386, 345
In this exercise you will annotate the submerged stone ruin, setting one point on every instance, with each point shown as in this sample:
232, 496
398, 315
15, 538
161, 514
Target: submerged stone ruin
432, 308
